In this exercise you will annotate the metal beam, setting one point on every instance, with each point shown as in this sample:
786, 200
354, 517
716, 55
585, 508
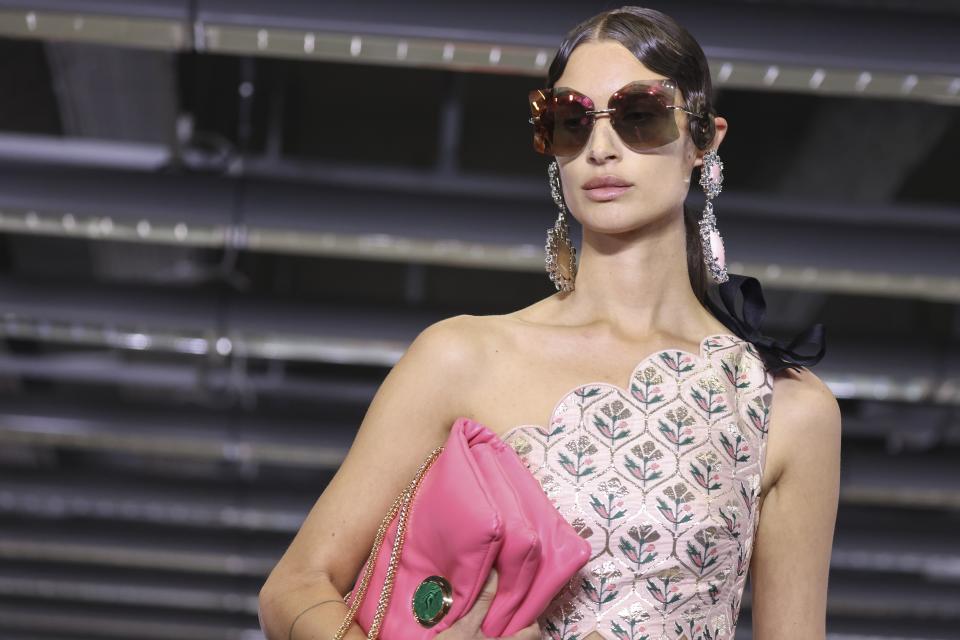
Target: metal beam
889, 54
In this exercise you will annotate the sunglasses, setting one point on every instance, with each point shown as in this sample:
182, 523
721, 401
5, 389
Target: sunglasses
641, 113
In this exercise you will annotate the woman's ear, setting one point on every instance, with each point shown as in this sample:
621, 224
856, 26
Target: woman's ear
720, 124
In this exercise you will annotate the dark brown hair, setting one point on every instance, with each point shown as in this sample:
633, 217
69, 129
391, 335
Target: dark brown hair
664, 47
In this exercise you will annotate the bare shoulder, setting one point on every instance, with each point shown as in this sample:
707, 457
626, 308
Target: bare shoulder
458, 344
449, 354
449, 344
794, 386
805, 415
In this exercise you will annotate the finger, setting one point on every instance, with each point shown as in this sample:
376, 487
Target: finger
479, 610
531, 632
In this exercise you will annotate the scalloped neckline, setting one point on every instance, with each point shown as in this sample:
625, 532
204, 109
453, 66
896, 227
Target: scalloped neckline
700, 355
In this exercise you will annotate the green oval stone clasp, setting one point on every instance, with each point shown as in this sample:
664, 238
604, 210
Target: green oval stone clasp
432, 600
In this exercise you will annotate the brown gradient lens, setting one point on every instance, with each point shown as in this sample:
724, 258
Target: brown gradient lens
561, 123
642, 119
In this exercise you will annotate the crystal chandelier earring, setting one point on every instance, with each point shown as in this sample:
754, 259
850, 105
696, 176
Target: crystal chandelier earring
561, 255
711, 179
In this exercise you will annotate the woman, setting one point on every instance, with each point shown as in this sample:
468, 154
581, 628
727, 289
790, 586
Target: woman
682, 479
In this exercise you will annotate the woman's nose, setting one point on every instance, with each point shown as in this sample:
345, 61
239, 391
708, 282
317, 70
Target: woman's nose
603, 144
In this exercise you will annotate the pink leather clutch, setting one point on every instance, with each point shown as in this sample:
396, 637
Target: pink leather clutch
472, 506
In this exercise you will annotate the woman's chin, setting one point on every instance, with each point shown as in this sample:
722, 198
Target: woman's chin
617, 218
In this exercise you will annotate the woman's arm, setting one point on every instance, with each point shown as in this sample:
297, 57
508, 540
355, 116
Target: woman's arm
409, 416
791, 556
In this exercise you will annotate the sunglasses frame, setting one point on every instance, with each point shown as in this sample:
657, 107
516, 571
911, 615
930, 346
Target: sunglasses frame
654, 83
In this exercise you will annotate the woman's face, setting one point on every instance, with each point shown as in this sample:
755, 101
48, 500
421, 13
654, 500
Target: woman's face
660, 177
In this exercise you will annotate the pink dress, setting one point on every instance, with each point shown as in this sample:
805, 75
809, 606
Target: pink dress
663, 478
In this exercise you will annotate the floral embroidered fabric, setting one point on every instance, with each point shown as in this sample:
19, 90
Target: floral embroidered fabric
663, 478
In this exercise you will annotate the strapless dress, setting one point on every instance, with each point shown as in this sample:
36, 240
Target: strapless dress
662, 477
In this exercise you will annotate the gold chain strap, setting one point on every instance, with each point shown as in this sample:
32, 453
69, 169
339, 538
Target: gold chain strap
402, 503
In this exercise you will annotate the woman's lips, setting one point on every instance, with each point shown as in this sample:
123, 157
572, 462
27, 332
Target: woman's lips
605, 194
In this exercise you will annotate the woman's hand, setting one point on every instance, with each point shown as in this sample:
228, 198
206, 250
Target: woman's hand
468, 626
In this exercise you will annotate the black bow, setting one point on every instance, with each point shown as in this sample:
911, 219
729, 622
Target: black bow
805, 349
